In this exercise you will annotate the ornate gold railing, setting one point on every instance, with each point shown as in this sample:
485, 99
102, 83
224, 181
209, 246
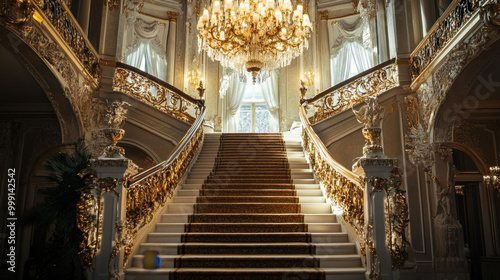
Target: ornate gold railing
343, 188
441, 34
59, 15
149, 190
155, 92
341, 97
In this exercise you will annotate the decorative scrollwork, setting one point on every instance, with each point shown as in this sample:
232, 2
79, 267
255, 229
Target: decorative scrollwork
344, 193
59, 15
89, 214
146, 196
355, 92
16, 12
153, 94
396, 211
441, 34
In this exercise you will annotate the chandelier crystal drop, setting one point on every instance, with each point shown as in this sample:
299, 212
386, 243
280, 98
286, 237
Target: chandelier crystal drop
256, 35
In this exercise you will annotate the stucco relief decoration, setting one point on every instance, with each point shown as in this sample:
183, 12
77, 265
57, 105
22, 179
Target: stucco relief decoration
89, 213
469, 135
397, 218
368, 9
16, 12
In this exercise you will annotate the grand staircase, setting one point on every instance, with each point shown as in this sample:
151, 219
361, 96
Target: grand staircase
250, 209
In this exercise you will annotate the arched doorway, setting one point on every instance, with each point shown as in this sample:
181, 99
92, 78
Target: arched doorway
475, 212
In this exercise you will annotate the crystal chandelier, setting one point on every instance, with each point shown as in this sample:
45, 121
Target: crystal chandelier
254, 35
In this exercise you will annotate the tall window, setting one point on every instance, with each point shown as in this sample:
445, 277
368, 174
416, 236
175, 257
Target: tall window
352, 47
253, 115
351, 60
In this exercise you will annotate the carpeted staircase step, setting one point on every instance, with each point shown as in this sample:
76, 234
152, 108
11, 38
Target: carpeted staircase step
246, 192
246, 274
247, 186
246, 227
231, 199
246, 248
254, 172
223, 179
246, 237
253, 261
247, 208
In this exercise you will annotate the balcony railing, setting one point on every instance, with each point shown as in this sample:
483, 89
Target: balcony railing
60, 17
342, 96
155, 92
453, 20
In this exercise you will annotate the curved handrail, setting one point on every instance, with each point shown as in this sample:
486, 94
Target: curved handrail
136, 179
341, 97
154, 92
348, 81
342, 187
149, 190
159, 81
60, 17
324, 152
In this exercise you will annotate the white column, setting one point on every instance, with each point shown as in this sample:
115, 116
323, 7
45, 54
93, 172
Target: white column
325, 75
172, 33
84, 15
374, 205
382, 37
114, 213
428, 13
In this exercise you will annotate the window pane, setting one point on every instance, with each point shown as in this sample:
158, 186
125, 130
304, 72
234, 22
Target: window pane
261, 118
245, 118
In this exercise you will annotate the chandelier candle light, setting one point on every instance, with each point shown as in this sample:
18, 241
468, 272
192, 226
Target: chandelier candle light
254, 35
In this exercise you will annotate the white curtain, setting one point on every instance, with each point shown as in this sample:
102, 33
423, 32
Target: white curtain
146, 46
232, 101
270, 92
351, 42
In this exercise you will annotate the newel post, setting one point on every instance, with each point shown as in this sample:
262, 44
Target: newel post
112, 169
377, 169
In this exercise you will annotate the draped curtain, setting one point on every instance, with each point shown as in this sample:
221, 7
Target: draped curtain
232, 101
270, 92
351, 42
146, 46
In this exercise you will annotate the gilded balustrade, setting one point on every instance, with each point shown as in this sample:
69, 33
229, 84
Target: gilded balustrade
149, 190
59, 15
441, 34
342, 187
156, 93
353, 91
55, 14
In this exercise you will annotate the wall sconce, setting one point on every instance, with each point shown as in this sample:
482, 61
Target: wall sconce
194, 78
308, 78
493, 179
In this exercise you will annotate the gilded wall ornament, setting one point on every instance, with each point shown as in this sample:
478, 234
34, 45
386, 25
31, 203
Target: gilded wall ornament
16, 12
397, 217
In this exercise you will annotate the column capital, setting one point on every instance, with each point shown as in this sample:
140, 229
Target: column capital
173, 16
323, 15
